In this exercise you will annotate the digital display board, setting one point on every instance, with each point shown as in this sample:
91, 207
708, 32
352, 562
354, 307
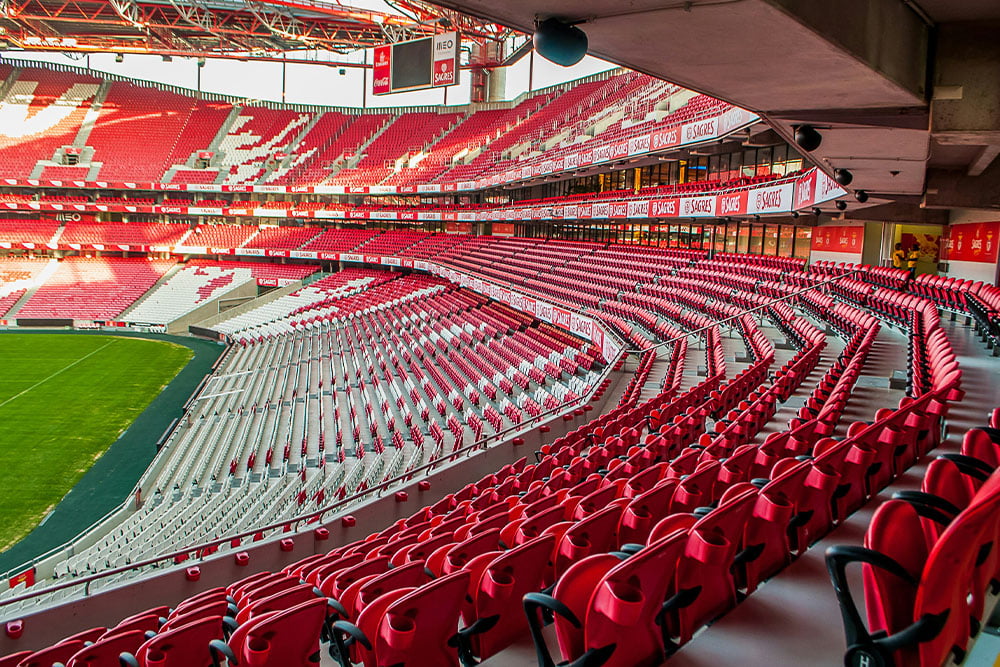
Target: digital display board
416, 64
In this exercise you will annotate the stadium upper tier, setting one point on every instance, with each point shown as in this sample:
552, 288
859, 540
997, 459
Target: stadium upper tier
60, 125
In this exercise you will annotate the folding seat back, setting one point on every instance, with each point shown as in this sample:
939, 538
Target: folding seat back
621, 606
986, 577
315, 576
519, 532
596, 500
366, 547
297, 568
977, 443
288, 638
191, 645
736, 467
496, 509
142, 617
855, 468
447, 526
13, 659
106, 650
421, 550
237, 588
413, 627
684, 464
283, 599
897, 531
697, 489
709, 557
411, 575
250, 594
498, 522
461, 554
937, 625
209, 596
642, 513
411, 530
337, 582
598, 533
766, 536
500, 589
218, 608
946, 480
537, 506
644, 480
46, 657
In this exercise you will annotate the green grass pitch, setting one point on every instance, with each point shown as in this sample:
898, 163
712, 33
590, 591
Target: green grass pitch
64, 399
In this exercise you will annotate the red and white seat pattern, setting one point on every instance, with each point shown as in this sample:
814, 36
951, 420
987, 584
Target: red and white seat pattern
187, 290
93, 289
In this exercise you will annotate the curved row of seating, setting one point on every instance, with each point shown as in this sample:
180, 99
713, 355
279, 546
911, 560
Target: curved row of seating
770, 496
536, 532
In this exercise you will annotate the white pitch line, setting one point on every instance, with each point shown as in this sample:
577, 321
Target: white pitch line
61, 370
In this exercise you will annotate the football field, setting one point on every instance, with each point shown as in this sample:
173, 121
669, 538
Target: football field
64, 399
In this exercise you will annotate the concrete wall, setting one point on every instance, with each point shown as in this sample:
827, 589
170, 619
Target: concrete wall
211, 319
247, 290
984, 271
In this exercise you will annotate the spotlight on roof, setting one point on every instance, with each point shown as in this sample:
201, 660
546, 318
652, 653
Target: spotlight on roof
861, 196
807, 138
817, 211
795, 215
119, 57
841, 205
560, 42
843, 177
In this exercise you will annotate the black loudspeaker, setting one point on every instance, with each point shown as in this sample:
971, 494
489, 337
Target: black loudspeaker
560, 42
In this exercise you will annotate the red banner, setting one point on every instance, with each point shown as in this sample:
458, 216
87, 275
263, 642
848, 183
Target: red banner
458, 227
976, 242
27, 578
734, 203
838, 239
381, 70
503, 229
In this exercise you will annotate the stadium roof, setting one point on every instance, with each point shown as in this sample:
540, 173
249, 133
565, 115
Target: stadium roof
905, 93
261, 29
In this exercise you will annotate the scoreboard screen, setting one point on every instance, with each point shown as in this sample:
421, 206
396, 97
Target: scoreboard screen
410, 68
416, 64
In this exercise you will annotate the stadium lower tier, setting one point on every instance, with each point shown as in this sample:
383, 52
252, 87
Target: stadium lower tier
716, 463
